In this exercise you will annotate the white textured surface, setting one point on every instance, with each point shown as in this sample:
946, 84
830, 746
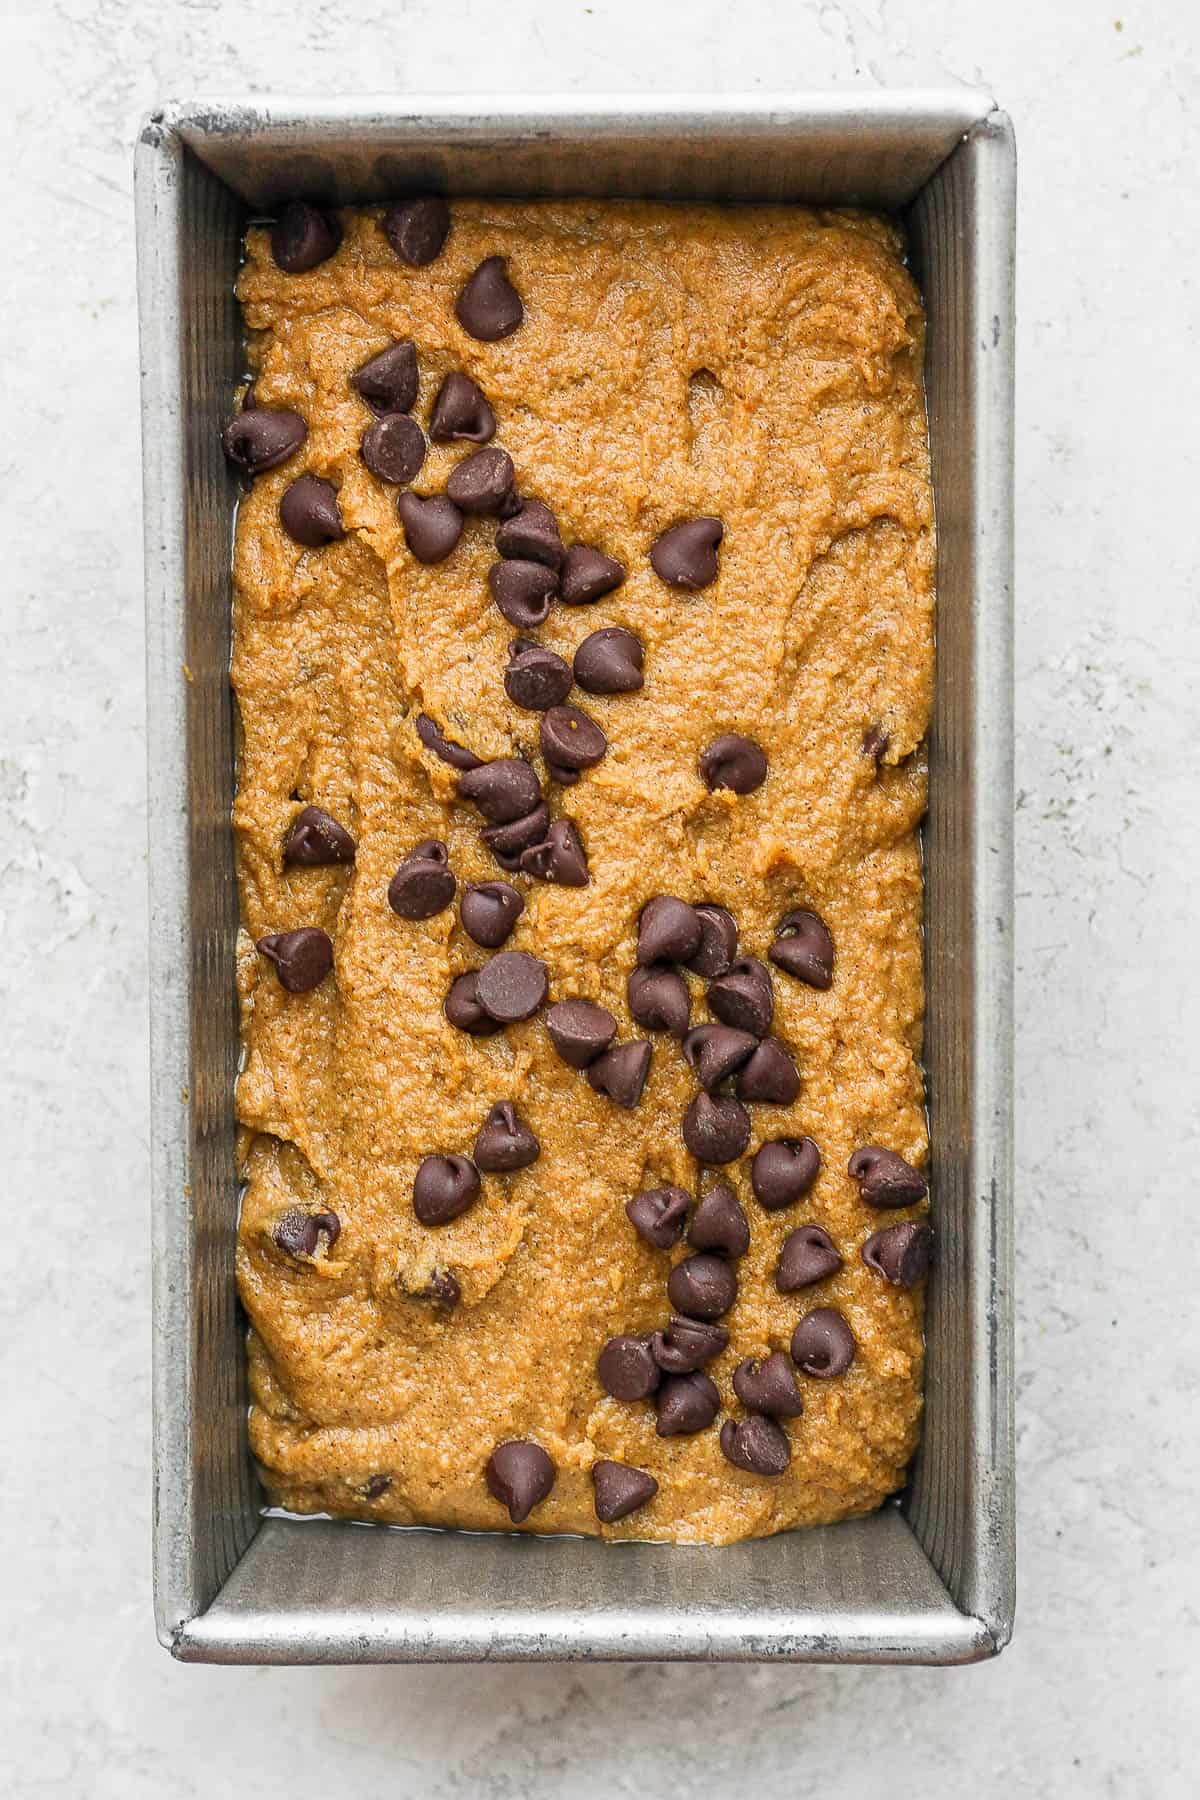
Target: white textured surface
1092, 1697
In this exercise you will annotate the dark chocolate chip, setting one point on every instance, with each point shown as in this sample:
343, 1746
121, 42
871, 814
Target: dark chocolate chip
718, 940
389, 381
719, 1223
620, 1489
489, 306
377, 1487
687, 1344
686, 1403
702, 1287
308, 512
424, 883
461, 411
303, 236
626, 1368
508, 842
489, 911
807, 1255
620, 1073
432, 526
559, 773
559, 857
433, 738
609, 662
587, 575
804, 948
756, 1444
444, 1187
716, 1052
885, 1179
483, 481
735, 762
463, 1007
536, 678
505, 1142
770, 1076
532, 535
523, 591
442, 1288
416, 229
876, 743
900, 1253
783, 1170
769, 1386
263, 438
716, 1128
822, 1343
301, 958
569, 738
743, 996
659, 1000
668, 931
686, 555
300, 1233
315, 839
504, 790
658, 1215
393, 448
519, 1475
512, 985
580, 1031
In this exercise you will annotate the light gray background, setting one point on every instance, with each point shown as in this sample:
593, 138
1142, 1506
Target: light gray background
1094, 1694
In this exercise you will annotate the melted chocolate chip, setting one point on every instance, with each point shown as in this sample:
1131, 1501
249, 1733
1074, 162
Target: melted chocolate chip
716, 1128
489, 306
389, 381
822, 1343
716, 1052
301, 958
532, 535
316, 839
804, 948
735, 762
416, 229
668, 931
559, 857
687, 1344
808, 1255
303, 236
702, 1287
300, 1233
442, 1288
424, 884
504, 790
876, 743
686, 555
587, 575
519, 1475
620, 1490
626, 1369
783, 1170
620, 1073
659, 1000
433, 738
769, 1386
718, 941
483, 481
393, 448
686, 1404
536, 678
461, 411
743, 996
756, 1444
489, 911
507, 842
570, 739
511, 986
609, 662
308, 512
444, 1187
885, 1179
464, 1010
262, 438
770, 1076
580, 1031
719, 1224
377, 1487
658, 1215
523, 591
900, 1253
505, 1143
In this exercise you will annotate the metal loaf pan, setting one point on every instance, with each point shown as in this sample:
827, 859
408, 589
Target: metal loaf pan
929, 1579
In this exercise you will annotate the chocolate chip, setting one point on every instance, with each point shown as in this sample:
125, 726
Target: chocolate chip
444, 1187
512, 985
262, 438
531, 534
523, 591
735, 762
719, 1223
519, 1475
303, 236
687, 1344
900, 1253
769, 1386
507, 842
658, 1215
489, 911
743, 996
626, 1368
620, 1490
377, 1487
505, 1143
783, 1170
702, 1287
716, 1051
620, 1073
807, 1255
686, 1403
587, 575
301, 958
609, 662
822, 1343
504, 790
316, 839
535, 677
483, 481
770, 1076
416, 229
432, 526
464, 1009
686, 555
489, 306
461, 411
716, 1128
659, 1000
718, 940
308, 512
442, 1288
668, 931
804, 948
569, 738
559, 857
876, 743
300, 1233
580, 1031
389, 381
433, 738
885, 1179
756, 1444
393, 448
423, 884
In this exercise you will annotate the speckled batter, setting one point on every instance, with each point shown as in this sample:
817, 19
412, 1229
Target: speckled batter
759, 364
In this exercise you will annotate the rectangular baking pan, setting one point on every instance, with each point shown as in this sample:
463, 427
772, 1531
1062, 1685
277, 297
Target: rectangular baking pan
928, 1578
